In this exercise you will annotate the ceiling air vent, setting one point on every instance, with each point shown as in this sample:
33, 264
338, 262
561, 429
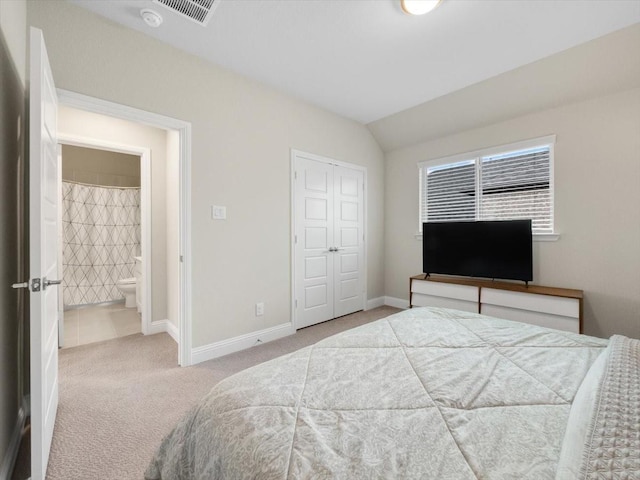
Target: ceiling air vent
200, 11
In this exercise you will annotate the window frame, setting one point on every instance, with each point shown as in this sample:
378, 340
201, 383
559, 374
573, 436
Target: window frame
477, 155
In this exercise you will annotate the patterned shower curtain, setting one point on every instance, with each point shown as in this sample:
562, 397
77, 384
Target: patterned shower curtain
101, 228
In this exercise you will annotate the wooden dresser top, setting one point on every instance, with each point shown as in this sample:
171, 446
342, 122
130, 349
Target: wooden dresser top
502, 285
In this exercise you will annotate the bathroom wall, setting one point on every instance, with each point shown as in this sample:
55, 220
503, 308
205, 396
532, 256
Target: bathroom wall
100, 167
79, 123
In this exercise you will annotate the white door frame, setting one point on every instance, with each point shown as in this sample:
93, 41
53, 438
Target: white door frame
145, 210
95, 105
319, 158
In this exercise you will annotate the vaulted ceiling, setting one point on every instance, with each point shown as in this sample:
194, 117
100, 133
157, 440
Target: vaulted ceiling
366, 59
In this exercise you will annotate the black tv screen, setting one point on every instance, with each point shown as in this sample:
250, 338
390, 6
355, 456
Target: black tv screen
489, 249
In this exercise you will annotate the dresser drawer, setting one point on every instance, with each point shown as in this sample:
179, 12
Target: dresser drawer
561, 306
422, 300
559, 322
447, 290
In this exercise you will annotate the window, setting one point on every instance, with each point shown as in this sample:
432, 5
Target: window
504, 183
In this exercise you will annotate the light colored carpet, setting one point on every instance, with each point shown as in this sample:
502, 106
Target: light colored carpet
119, 398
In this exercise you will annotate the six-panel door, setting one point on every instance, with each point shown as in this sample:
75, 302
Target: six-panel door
329, 241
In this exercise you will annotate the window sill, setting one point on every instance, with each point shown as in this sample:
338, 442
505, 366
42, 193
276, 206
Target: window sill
537, 237
546, 237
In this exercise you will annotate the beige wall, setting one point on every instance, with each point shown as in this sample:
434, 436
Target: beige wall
100, 167
242, 133
13, 21
597, 205
79, 123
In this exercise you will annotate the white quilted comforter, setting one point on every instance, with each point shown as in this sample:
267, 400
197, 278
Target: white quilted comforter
426, 393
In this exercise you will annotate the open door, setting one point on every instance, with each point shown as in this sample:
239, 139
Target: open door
43, 251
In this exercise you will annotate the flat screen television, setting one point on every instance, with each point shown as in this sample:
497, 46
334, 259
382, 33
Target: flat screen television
488, 249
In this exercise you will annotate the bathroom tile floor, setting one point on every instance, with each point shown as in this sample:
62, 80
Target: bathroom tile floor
95, 323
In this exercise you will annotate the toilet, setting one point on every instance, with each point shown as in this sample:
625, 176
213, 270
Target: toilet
127, 287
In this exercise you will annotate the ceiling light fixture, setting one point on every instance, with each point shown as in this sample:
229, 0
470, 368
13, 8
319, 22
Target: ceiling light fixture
418, 7
151, 18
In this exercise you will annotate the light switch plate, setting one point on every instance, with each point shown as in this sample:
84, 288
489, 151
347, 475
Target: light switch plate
218, 212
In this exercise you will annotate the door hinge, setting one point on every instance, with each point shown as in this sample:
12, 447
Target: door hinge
296, 303
295, 175
181, 259
295, 239
35, 285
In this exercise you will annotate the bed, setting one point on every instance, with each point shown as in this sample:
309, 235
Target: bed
425, 393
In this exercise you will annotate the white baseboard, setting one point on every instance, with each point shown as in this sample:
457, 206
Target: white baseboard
242, 342
375, 303
396, 302
158, 326
173, 331
9, 459
165, 326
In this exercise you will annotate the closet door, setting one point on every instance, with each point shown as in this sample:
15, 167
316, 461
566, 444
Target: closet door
348, 240
314, 262
328, 209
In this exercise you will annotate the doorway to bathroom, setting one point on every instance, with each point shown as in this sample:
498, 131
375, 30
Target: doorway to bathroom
101, 240
120, 228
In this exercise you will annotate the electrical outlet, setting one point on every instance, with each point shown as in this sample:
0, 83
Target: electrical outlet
259, 309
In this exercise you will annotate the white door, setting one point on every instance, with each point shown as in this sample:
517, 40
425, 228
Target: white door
313, 218
43, 251
348, 240
328, 214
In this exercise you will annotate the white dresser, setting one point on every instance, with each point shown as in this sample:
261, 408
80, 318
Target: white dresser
559, 308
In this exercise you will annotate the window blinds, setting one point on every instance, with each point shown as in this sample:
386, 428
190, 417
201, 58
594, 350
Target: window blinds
517, 186
506, 186
450, 192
